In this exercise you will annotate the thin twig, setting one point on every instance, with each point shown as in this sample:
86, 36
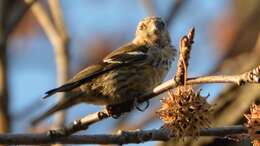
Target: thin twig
28, 110
122, 137
58, 19
141, 123
252, 76
81, 124
149, 6
244, 37
174, 9
60, 45
184, 56
62, 58
45, 22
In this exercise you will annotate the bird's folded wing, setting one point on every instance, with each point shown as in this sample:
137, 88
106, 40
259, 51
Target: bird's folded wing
121, 57
126, 54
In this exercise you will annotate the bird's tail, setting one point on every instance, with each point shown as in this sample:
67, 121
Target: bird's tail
63, 104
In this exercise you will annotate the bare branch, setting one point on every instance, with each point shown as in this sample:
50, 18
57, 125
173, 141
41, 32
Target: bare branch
175, 8
149, 6
62, 58
252, 76
45, 22
58, 19
141, 123
17, 16
78, 125
184, 56
123, 137
28, 110
60, 44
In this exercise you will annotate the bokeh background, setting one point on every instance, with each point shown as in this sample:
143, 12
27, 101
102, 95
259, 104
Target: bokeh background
227, 41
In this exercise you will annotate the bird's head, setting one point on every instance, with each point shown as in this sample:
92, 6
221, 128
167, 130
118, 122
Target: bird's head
152, 30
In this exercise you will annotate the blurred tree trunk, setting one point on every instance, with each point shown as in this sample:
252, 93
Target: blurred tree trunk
4, 101
11, 11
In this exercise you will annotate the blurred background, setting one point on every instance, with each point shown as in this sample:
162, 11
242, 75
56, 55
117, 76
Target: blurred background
227, 41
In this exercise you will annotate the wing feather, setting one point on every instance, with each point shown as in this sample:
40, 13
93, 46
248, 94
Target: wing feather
123, 56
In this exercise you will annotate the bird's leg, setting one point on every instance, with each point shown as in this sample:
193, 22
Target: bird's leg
117, 110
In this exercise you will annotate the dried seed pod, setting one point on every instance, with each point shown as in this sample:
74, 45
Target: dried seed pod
253, 124
185, 112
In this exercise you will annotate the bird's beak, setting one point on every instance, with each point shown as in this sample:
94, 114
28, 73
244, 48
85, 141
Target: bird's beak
157, 27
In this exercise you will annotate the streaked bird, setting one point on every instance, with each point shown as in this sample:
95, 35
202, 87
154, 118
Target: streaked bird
125, 74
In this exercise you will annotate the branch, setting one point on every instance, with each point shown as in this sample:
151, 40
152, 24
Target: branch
62, 57
17, 16
45, 22
7, 25
252, 76
184, 56
149, 7
174, 10
123, 137
78, 125
58, 19
59, 43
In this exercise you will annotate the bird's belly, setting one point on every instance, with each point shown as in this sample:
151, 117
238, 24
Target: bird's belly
124, 84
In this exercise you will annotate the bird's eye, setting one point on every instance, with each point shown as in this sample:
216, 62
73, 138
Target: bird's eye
160, 25
142, 27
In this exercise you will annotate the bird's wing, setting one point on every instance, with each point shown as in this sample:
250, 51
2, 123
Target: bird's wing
123, 56
126, 54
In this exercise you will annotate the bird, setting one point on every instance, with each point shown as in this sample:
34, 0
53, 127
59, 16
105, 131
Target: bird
123, 75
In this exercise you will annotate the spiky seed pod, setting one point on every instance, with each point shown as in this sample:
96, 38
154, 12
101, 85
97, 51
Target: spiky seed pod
253, 124
185, 112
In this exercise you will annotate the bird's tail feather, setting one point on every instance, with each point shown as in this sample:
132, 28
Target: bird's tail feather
64, 104
62, 88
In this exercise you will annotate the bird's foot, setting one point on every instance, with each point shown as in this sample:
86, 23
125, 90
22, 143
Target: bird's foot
117, 110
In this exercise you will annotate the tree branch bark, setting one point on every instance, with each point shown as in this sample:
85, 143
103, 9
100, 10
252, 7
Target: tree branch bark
252, 76
122, 137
